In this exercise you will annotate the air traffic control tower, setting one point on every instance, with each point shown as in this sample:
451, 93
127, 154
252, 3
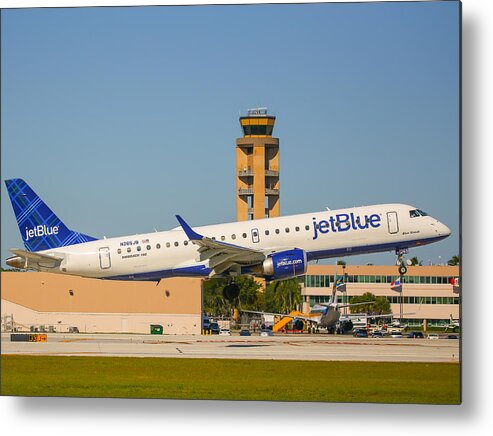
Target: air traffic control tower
257, 167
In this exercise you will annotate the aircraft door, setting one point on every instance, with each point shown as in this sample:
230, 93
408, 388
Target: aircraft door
104, 258
392, 222
255, 235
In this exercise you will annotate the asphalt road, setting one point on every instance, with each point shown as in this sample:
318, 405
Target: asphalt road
282, 347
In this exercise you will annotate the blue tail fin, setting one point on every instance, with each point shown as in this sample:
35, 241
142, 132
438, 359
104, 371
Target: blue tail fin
40, 228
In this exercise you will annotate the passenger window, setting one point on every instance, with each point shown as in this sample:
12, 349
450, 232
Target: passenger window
158, 246
244, 235
223, 238
129, 249
267, 233
119, 251
277, 231
287, 229
185, 242
176, 244
138, 248
297, 228
307, 228
168, 244
148, 247
233, 236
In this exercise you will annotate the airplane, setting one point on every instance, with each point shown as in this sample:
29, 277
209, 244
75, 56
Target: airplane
273, 248
328, 315
453, 324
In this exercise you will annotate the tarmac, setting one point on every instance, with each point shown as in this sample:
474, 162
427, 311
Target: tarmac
278, 347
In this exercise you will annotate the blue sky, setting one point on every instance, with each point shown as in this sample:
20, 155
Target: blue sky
119, 118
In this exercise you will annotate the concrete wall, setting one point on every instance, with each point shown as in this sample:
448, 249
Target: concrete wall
102, 305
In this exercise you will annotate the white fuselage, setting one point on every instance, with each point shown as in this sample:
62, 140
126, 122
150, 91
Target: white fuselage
326, 234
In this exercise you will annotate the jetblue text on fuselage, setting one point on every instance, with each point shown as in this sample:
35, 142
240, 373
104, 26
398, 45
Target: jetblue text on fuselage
342, 222
41, 230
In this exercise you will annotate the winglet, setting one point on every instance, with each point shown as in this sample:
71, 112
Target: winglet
193, 236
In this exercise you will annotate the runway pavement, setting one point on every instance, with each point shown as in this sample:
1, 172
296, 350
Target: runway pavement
287, 347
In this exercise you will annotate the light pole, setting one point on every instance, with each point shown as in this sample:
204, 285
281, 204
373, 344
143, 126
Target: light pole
401, 305
345, 288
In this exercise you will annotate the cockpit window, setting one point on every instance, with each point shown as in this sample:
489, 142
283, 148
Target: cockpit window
417, 212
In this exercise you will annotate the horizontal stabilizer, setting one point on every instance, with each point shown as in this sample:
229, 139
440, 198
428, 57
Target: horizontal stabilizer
28, 260
34, 256
339, 306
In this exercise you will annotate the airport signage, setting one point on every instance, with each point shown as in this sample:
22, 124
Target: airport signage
28, 337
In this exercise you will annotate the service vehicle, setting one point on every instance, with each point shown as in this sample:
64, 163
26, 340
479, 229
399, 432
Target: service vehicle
214, 328
360, 333
266, 332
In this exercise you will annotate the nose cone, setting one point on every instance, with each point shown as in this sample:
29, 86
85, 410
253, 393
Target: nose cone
442, 229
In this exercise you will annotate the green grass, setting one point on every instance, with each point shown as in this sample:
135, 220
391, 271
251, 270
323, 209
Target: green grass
226, 379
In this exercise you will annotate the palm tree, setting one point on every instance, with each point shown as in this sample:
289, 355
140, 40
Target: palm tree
380, 306
213, 297
454, 261
251, 296
415, 261
375, 306
283, 296
367, 297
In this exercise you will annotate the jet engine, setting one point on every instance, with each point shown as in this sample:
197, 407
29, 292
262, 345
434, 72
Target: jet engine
285, 264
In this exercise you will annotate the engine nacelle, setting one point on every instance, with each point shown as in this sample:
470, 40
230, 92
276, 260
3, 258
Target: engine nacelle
285, 264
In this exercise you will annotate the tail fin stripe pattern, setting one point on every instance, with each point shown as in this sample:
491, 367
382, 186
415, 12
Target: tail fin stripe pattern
33, 206
71, 239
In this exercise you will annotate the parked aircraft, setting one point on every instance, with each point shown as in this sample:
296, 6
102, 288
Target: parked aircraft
273, 248
453, 324
328, 315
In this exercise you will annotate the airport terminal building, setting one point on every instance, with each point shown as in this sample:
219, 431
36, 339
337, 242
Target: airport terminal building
56, 302
427, 293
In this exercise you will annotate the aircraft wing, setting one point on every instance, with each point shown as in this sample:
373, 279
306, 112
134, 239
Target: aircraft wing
384, 315
339, 306
221, 256
32, 260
